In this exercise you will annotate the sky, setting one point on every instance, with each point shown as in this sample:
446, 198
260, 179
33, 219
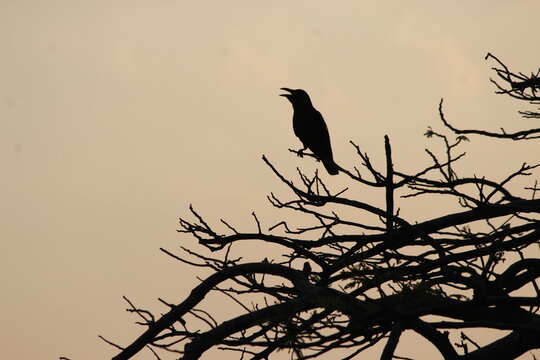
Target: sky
115, 116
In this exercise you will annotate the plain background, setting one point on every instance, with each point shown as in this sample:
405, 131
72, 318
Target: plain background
116, 115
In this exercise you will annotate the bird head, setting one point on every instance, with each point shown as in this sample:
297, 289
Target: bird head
297, 97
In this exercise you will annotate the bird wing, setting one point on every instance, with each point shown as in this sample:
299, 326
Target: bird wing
318, 138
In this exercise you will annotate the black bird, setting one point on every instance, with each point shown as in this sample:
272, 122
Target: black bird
311, 129
307, 269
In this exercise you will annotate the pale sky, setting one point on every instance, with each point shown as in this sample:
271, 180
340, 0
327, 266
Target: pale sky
116, 115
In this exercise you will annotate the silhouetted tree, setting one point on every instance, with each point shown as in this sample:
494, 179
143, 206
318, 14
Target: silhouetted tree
363, 275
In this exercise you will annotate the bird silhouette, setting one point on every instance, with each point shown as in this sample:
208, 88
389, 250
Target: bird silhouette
310, 128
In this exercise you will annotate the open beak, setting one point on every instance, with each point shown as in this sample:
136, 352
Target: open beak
288, 96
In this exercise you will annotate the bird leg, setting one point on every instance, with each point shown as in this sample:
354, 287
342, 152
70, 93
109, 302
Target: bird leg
300, 152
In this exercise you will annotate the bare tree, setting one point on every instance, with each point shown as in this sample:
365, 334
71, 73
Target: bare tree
362, 274
517, 85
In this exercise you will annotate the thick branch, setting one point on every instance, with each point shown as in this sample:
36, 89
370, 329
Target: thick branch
198, 294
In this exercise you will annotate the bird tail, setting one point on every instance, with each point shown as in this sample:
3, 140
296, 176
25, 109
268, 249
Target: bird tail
331, 166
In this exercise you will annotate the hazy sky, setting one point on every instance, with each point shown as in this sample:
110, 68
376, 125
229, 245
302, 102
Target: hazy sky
116, 115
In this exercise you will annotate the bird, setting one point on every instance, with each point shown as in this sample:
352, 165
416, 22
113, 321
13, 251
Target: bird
310, 128
306, 269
